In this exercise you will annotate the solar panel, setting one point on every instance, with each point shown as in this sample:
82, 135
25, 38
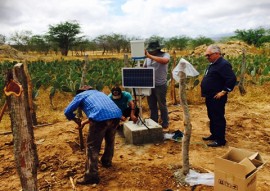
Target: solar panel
138, 77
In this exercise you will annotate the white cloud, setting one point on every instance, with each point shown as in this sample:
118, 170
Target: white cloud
141, 18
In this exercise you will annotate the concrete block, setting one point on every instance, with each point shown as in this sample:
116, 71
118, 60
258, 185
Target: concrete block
140, 134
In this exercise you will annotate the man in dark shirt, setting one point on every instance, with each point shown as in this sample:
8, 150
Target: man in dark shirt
219, 79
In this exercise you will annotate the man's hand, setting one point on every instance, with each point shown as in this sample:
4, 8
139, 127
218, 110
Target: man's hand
123, 118
78, 122
83, 123
134, 118
220, 94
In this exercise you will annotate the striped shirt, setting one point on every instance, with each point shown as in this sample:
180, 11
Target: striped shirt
96, 106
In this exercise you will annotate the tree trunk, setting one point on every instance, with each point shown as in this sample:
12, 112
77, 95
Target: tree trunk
242, 75
64, 51
30, 95
25, 152
173, 94
187, 124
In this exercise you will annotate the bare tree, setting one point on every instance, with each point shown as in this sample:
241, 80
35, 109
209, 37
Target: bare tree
2, 39
21, 39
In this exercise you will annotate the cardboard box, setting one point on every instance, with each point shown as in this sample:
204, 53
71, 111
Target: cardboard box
236, 170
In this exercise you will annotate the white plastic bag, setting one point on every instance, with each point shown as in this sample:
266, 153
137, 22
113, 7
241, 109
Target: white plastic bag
195, 178
184, 66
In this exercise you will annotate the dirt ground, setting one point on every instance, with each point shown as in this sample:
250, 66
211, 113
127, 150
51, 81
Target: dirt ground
142, 167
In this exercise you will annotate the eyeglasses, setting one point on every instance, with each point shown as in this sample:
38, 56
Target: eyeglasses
208, 55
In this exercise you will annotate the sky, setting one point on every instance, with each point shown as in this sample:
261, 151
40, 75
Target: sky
136, 18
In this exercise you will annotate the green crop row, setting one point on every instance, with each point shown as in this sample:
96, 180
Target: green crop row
65, 76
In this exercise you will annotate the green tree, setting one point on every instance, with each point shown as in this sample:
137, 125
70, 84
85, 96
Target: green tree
155, 37
64, 34
178, 42
254, 37
92, 46
38, 43
81, 44
200, 41
103, 42
119, 42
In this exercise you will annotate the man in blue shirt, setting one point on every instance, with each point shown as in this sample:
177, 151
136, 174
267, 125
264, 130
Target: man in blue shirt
218, 81
103, 116
125, 102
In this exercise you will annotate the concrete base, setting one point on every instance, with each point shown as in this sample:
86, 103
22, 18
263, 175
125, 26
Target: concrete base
139, 134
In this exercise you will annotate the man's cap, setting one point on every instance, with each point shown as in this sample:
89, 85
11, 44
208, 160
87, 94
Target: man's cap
116, 92
84, 88
154, 45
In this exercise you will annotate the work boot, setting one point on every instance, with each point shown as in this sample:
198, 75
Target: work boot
84, 181
209, 138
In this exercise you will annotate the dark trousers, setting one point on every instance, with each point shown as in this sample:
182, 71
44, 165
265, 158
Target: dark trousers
156, 100
98, 131
216, 115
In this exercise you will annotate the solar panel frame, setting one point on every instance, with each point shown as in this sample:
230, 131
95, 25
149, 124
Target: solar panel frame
138, 77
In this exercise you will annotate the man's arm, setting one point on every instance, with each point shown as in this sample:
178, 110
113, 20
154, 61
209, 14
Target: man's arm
132, 113
161, 60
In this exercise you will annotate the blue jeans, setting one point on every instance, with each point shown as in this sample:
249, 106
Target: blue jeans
158, 99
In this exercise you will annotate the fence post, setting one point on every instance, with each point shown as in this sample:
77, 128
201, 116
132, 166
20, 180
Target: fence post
187, 124
126, 60
30, 94
242, 74
79, 111
25, 152
173, 94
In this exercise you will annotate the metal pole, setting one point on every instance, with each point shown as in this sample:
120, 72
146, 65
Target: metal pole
140, 98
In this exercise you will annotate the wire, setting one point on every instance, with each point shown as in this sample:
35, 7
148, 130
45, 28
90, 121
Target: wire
134, 92
133, 63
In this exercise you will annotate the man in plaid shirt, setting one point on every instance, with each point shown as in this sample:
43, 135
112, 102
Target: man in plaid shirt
103, 116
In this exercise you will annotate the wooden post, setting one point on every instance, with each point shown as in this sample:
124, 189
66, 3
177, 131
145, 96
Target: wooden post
25, 152
79, 111
173, 94
30, 94
126, 60
187, 124
3, 111
242, 74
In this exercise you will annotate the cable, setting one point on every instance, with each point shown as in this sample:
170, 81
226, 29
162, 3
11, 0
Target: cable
134, 92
